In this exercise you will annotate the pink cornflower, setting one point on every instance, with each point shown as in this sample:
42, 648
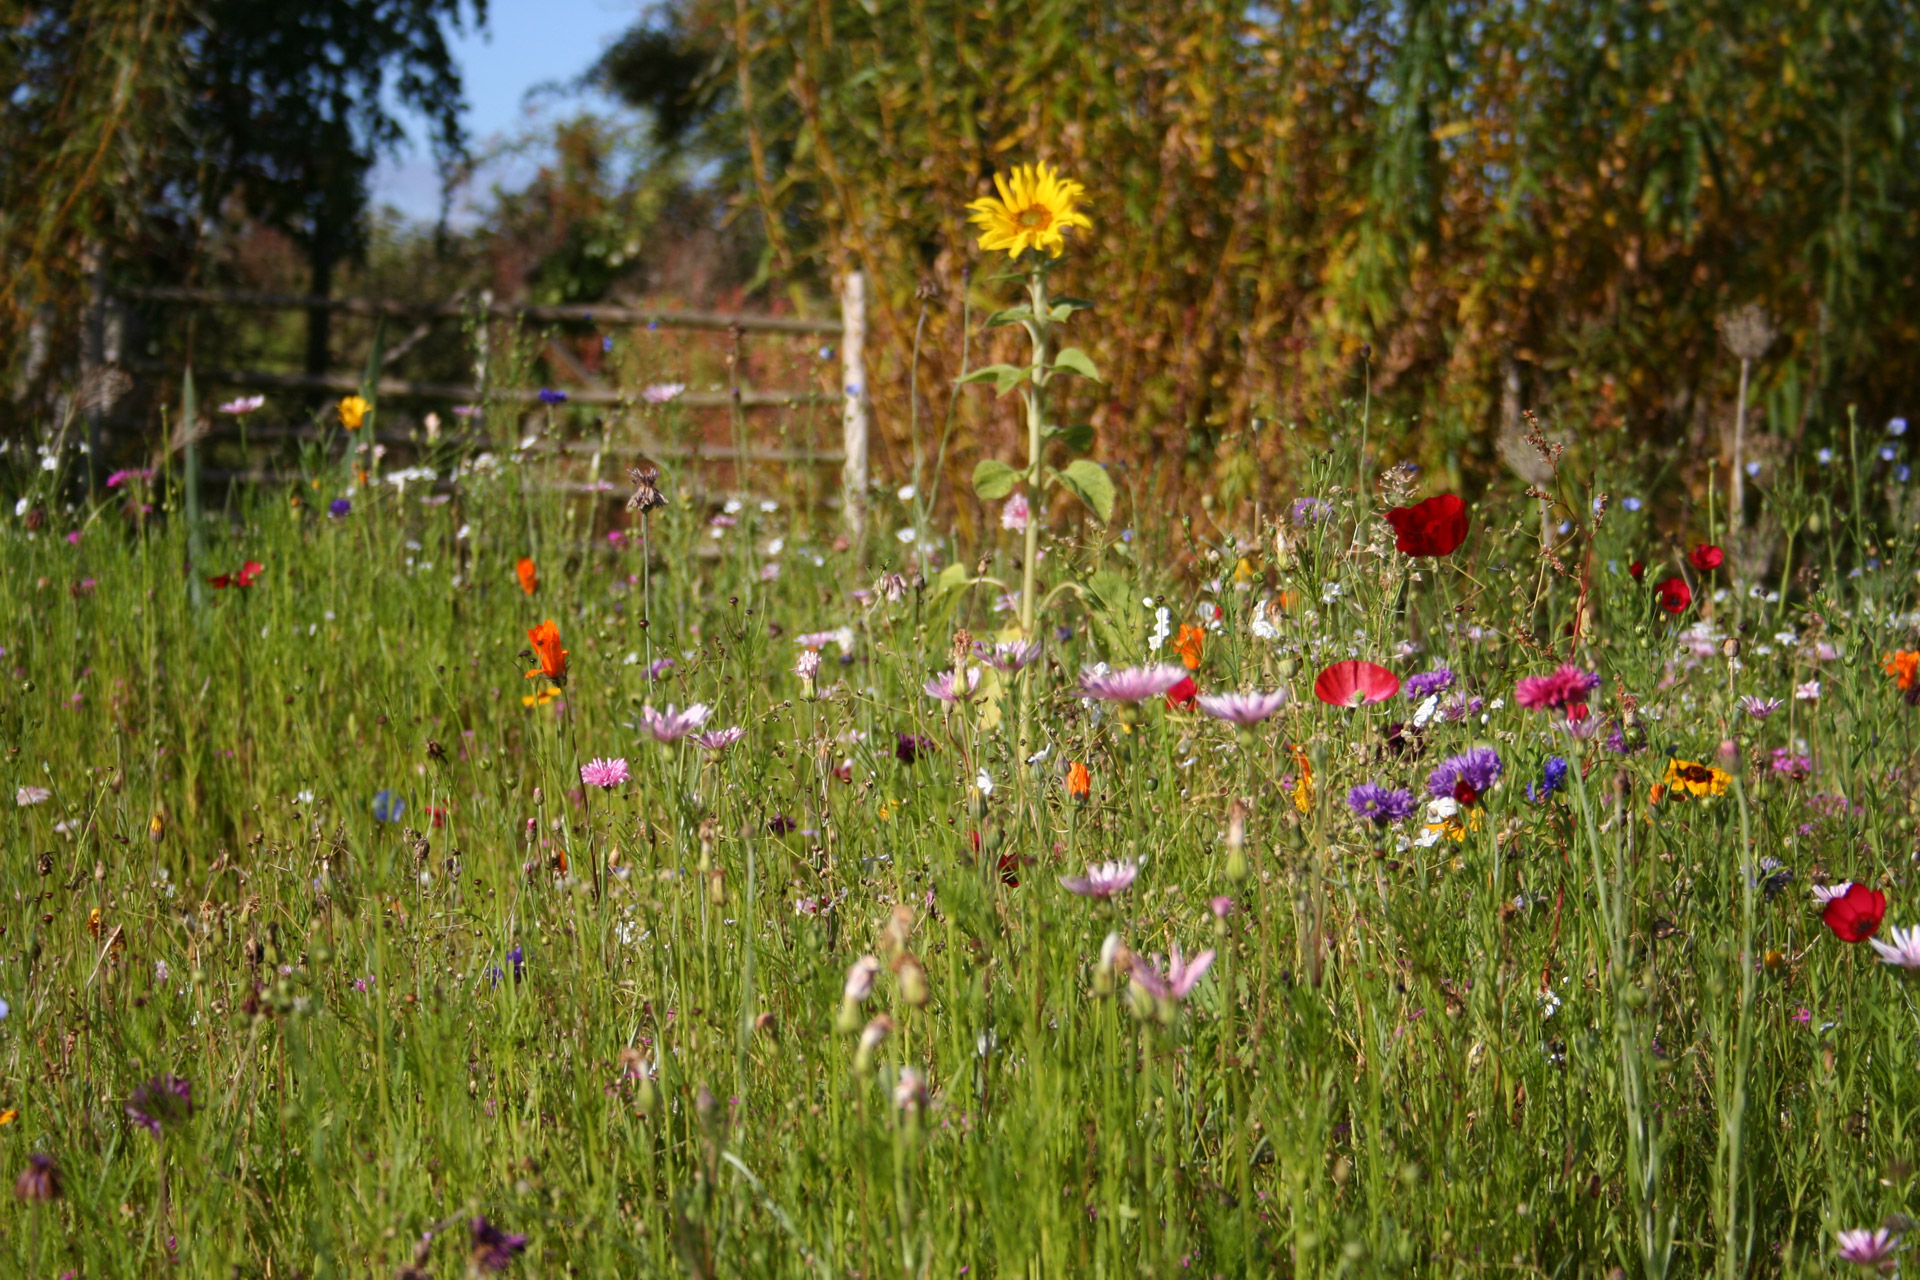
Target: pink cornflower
1243, 709
718, 740
1133, 684
605, 774
1103, 880
1180, 978
1567, 687
1865, 1248
952, 686
673, 725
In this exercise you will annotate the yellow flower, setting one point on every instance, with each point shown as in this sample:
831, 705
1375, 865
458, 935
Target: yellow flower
546, 693
353, 411
1686, 780
1031, 212
1303, 787
9, 1116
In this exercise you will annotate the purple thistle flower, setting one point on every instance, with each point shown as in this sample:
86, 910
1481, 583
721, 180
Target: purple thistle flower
673, 725
1008, 655
159, 1102
1103, 880
1243, 709
1133, 684
1472, 772
605, 774
493, 1249
1425, 684
718, 740
1379, 805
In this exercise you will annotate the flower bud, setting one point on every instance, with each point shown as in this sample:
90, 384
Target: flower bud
871, 1038
912, 976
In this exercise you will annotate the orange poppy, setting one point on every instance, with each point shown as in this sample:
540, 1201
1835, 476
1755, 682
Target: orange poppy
529, 577
1079, 781
546, 645
1190, 643
1904, 666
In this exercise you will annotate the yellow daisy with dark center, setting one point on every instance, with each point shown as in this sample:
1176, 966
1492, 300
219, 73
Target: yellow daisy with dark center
1034, 207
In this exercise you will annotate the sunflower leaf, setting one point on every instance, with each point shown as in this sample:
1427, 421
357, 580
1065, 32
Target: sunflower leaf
993, 479
1004, 377
1074, 360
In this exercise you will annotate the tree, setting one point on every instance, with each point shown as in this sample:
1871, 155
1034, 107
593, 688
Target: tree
290, 112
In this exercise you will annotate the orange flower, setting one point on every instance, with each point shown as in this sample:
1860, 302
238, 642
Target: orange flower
1904, 667
1303, 785
529, 577
1079, 781
553, 659
1189, 644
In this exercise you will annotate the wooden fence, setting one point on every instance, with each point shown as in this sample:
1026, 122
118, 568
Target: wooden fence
849, 329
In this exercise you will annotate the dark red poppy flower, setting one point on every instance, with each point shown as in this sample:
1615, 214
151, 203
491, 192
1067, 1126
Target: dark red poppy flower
1181, 696
1431, 528
1706, 557
1855, 915
1010, 869
1637, 570
1674, 595
1354, 683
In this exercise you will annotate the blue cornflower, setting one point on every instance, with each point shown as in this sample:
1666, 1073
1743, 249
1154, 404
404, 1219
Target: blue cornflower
339, 508
1631, 504
549, 396
387, 807
1551, 779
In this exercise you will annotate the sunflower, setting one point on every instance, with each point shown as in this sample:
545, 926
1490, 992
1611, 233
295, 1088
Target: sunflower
1030, 213
1686, 780
546, 646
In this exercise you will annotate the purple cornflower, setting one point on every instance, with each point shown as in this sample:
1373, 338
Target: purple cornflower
1551, 779
909, 747
493, 1249
1380, 805
1133, 684
1243, 709
339, 508
605, 774
1008, 655
1309, 510
1761, 708
1424, 684
160, 1102
1103, 880
673, 725
950, 686
1465, 777
1180, 978
548, 396
718, 740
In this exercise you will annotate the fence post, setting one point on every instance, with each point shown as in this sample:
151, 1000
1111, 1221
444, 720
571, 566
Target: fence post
853, 388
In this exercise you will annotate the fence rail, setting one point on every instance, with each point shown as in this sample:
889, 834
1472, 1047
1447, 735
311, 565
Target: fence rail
850, 327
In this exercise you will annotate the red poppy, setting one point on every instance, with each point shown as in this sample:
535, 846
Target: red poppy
1354, 683
1706, 557
243, 577
1637, 570
1181, 696
1855, 915
1674, 595
1431, 528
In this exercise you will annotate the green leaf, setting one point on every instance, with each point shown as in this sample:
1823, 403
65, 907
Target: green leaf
993, 479
1074, 360
1005, 377
1090, 483
1012, 315
1064, 307
1078, 438
951, 578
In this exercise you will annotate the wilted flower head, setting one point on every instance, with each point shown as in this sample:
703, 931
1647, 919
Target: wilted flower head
951, 686
1103, 880
1132, 684
673, 725
161, 1101
892, 586
492, 1249
1243, 709
605, 774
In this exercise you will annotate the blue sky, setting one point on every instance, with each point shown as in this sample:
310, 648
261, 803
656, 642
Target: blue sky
527, 44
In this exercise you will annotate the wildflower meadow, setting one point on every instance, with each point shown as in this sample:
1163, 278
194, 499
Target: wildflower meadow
437, 872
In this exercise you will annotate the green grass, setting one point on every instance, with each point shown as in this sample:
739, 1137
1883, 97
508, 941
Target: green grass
1369, 1081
